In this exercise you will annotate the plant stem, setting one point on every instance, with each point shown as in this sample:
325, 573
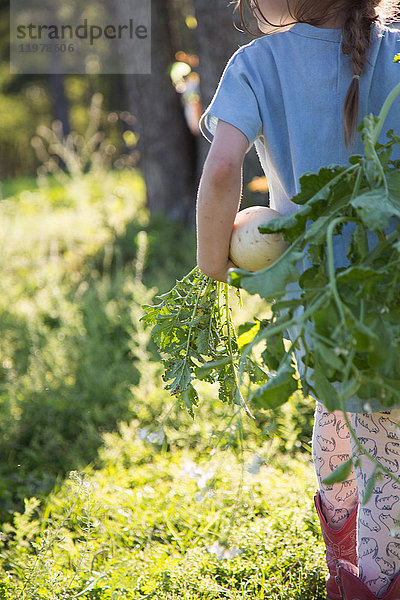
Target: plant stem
384, 111
357, 184
199, 294
228, 325
331, 265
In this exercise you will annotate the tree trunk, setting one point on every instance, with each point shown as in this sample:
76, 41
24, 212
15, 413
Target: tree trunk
166, 145
217, 39
60, 106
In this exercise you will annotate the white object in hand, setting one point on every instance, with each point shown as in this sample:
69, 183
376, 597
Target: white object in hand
250, 249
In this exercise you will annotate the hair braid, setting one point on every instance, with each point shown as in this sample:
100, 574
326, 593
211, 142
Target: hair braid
356, 40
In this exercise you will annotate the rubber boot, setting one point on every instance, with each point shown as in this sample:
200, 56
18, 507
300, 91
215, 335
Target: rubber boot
339, 544
353, 588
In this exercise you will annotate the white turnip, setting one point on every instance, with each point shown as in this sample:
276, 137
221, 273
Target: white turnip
250, 249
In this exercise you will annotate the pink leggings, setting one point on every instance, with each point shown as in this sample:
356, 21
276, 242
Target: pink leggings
378, 527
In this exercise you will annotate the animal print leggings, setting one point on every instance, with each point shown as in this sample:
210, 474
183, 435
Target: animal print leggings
378, 526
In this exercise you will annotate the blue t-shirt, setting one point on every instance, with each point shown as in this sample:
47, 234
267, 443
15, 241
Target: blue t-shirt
286, 92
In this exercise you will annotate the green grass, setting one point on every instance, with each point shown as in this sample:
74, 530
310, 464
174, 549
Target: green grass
149, 522
73, 260
11, 187
159, 506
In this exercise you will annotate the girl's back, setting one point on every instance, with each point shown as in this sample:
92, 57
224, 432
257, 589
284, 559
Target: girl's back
286, 91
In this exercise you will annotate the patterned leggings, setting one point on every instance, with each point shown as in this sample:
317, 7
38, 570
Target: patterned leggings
378, 526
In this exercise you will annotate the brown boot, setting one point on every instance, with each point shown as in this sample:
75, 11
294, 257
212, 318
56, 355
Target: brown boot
353, 588
339, 544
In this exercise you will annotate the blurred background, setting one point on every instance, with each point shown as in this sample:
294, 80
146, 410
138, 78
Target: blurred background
150, 119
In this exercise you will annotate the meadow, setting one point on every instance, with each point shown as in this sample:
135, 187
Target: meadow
108, 489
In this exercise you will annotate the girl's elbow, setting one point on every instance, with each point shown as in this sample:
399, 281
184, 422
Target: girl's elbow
207, 270
222, 171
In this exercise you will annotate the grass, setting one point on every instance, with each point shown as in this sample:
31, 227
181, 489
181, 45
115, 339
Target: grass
72, 269
149, 522
157, 505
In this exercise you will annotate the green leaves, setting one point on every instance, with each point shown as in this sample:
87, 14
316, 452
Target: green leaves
278, 389
207, 368
371, 165
341, 473
375, 208
325, 390
369, 488
269, 283
349, 316
194, 333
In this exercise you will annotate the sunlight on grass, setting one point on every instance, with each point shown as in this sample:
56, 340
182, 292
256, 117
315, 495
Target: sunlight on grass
157, 505
139, 527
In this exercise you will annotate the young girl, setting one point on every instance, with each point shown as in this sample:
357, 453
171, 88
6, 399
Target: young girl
298, 95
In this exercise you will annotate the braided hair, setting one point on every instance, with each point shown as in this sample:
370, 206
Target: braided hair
357, 17
356, 40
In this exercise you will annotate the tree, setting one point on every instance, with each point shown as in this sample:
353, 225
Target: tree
167, 147
59, 101
218, 36
171, 156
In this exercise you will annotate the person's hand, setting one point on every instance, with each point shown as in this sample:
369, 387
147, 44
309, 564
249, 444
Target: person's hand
221, 274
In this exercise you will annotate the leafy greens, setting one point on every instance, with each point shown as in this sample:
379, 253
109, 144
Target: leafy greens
347, 319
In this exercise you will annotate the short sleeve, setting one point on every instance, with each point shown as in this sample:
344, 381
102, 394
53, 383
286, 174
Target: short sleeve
234, 101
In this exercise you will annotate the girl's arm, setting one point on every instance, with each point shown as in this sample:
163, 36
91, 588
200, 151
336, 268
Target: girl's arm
218, 199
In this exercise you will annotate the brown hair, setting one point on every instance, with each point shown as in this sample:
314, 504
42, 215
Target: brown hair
358, 16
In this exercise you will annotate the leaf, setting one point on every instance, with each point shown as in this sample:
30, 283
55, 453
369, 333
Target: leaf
369, 488
363, 337
371, 163
228, 391
277, 390
325, 391
203, 342
178, 370
358, 247
255, 371
274, 352
374, 208
341, 473
318, 185
317, 230
327, 356
188, 399
205, 370
332, 182
247, 332
314, 278
350, 389
269, 283
291, 225
358, 273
